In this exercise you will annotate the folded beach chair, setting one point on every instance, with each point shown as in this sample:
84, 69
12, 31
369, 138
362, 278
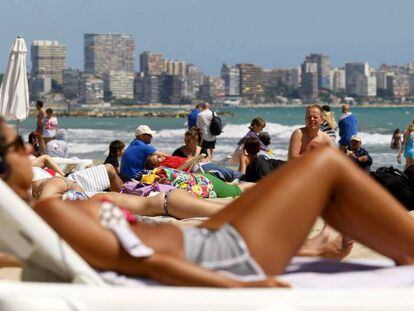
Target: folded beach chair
69, 165
45, 255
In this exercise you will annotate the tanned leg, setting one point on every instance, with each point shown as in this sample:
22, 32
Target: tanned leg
276, 216
181, 204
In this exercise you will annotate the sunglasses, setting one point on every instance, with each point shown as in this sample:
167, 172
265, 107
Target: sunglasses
16, 145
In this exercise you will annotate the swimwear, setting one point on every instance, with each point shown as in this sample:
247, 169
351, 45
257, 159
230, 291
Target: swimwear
113, 218
223, 250
409, 146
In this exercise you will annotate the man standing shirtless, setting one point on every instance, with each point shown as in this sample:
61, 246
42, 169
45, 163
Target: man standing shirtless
306, 138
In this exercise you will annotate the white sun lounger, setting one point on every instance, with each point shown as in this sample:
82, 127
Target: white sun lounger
25, 234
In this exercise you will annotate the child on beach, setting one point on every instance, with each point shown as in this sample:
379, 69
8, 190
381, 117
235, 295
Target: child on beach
256, 126
116, 150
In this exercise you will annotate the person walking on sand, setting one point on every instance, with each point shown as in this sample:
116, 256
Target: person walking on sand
348, 127
49, 126
192, 116
396, 140
203, 122
407, 146
306, 138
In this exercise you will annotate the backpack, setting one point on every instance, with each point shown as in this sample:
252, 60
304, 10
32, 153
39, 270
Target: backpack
397, 183
216, 125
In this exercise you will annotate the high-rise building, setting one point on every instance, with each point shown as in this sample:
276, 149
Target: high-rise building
366, 85
173, 89
152, 64
39, 85
71, 82
152, 89
251, 80
292, 77
231, 77
323, 63
175, 68
48, 58
118, 85
352, 71
338, 80
398, 85
91, 90
106, 52
309, 88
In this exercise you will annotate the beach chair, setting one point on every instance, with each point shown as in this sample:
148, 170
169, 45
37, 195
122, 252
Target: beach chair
70, 165
25, 234
45, 255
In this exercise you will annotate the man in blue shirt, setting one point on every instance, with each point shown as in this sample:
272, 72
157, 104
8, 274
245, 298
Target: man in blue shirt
347, 127
358, 154
136, 154
192, 116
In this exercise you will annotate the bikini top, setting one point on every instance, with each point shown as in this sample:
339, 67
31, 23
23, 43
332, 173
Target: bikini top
117, 220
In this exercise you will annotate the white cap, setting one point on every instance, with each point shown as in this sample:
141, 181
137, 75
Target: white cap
356, 138
144, 129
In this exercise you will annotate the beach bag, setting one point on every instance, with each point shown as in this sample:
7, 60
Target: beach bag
397, 183
216, 125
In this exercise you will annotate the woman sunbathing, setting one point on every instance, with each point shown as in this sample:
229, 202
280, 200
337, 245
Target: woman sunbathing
248, 242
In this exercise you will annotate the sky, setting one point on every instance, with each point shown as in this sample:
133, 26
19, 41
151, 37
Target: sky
270, 33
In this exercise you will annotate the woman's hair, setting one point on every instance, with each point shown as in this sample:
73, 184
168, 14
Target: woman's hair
396, 131
33, 136
49, 110
410, 127
326, 108
257, 121
196, 133
252, 146
115, 146
329, 118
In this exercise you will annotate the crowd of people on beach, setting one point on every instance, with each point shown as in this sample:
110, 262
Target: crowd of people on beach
249, 200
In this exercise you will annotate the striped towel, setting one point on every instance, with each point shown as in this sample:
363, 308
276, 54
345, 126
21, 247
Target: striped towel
92, 180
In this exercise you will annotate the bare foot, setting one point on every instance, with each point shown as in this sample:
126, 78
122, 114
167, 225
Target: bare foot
324, 245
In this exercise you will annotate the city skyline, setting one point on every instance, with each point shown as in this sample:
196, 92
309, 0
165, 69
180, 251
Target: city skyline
270, 33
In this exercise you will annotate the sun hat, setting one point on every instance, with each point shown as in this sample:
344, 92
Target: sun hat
356, 138
144, 129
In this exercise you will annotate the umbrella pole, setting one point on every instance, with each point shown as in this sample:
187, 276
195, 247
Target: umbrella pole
17, 126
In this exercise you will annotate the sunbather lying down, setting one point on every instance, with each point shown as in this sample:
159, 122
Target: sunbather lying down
245, 244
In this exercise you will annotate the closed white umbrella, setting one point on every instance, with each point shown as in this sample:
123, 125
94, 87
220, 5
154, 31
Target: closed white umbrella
14, 90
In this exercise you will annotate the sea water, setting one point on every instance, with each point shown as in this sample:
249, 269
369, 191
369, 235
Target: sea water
90, 137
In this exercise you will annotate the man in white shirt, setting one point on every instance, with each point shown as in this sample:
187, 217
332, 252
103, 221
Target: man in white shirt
203, 122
